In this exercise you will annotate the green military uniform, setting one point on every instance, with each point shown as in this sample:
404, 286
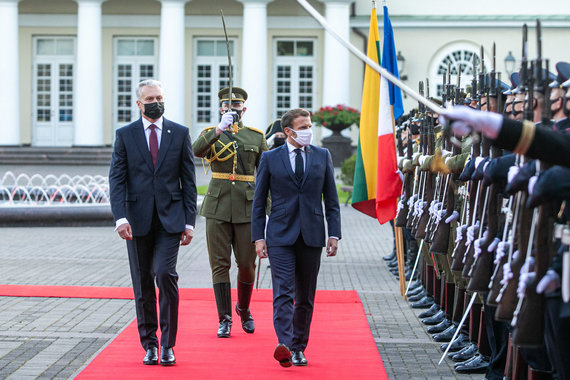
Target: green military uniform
227, 207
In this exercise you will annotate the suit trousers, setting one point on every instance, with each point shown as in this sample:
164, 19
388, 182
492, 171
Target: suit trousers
151, 257
294, 271
221, 237
557, 336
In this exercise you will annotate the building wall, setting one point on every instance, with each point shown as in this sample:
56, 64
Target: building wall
422, 30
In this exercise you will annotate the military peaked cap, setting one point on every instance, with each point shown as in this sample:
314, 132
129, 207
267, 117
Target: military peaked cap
238, 95
563, 69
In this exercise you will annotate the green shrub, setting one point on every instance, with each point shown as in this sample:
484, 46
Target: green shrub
347, 170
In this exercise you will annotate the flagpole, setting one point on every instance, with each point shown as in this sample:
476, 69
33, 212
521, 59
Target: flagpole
385, 73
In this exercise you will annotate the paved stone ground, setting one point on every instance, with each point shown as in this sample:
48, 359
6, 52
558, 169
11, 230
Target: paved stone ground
57, 337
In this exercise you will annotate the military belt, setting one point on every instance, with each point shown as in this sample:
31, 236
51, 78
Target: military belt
233, 177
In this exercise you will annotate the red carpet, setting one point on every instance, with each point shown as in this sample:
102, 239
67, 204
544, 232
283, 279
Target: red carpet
341, 345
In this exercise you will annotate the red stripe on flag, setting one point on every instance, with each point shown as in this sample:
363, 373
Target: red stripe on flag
389, 182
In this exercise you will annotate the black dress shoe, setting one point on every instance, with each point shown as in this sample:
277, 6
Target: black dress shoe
151, 357
298, 358
458, 344
283, 355
429, 312
435, 319
225, 327
167, 356
415, 291
391, 256
464, 354
392, 263
424, 303
478, 365
440, 327
247, 323
418, 296
445, 335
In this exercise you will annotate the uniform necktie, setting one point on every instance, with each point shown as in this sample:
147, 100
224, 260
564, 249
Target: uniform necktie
153, 143
299, 169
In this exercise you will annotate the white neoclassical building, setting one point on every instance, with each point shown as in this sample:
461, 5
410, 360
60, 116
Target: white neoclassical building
69, 67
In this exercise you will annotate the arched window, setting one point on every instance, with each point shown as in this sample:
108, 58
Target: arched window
455, 55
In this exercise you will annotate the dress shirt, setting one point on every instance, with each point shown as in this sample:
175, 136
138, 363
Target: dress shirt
293, 155
147, 131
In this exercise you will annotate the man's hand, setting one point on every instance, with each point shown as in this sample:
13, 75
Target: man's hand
125, 232
464, 119
186, 236
225, 123
261, 249
332, 247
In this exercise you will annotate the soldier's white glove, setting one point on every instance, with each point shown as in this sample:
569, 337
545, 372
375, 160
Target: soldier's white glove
453, 217
549, 283
513, 171
524, 280
227, 121
460, 230
422, 159
471, 232
507, 274
400, 205
464, 119
531, 182
493, 245
412, 200
477, 248
502, 249
477, 245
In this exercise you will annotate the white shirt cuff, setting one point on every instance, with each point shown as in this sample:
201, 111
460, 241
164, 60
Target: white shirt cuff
334, 237
190, 227
120, 222
260, 240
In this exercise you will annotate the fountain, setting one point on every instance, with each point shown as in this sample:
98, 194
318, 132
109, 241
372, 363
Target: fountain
50, 200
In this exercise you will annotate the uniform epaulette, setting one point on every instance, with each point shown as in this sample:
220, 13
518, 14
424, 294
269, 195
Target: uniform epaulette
256, 130
207, 129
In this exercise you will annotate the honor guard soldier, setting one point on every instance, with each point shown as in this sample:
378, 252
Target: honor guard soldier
232, 151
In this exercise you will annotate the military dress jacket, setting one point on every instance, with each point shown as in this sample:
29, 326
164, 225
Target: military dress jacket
230, 200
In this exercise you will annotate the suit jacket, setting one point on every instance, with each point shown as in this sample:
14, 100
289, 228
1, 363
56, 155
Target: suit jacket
136, 186
296, 207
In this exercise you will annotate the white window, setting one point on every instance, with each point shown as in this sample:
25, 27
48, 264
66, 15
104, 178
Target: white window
456, 55
210, 75
135, 59
294, 78
53, 81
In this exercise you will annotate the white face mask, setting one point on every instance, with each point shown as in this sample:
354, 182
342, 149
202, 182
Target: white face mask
304, 137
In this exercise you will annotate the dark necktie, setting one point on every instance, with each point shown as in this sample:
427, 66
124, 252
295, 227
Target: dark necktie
153, 143
299, 169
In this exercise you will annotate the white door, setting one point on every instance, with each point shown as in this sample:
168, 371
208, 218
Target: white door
53, 77
210, 76
135, 59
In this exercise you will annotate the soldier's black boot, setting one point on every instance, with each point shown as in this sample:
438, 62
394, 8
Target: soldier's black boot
242, 306
222, 291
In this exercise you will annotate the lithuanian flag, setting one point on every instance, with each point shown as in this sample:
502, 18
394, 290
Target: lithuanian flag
377, 184
364, 187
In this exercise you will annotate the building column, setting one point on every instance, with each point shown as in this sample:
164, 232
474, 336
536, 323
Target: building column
171, 61
254, 61
88, 99
10, 94
336, 72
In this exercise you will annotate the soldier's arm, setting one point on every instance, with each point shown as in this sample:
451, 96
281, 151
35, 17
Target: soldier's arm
201, 146
535, 142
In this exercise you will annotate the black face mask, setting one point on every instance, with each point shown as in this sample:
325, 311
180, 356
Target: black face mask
278, 141
566, 106
154, 110
238, 113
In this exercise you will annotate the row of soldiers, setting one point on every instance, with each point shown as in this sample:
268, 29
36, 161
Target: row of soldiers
490, 227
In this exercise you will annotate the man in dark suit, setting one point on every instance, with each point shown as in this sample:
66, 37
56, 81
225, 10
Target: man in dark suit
298, 176
153, 199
